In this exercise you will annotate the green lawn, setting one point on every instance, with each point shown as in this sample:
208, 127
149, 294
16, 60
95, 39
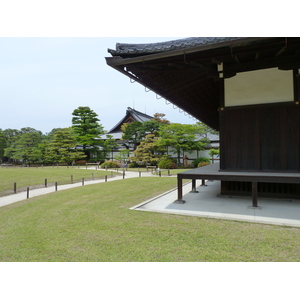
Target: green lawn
36, 176
94, 223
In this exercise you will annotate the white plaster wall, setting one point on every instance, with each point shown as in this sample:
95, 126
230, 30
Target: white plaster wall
258, 87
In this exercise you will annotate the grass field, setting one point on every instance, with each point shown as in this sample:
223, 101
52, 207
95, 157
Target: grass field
36, 176
94, 223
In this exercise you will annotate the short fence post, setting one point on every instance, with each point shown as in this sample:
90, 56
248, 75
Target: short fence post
140, 173
55, 186
159, 173
45, 182
72, 179
169, 173
105, 178
82, 181
123, 174
27, 192
15, 187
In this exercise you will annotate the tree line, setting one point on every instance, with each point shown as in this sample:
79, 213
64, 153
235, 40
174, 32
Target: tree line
150, 140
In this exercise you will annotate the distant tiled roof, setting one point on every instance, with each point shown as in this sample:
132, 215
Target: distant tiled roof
122, 48
131, 113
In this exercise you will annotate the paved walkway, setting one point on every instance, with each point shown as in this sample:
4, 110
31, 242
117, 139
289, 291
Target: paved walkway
6, 200
207, 203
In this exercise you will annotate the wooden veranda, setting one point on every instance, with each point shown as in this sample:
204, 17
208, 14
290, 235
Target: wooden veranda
213, 172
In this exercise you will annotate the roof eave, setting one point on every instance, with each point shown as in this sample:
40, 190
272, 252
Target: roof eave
116, 61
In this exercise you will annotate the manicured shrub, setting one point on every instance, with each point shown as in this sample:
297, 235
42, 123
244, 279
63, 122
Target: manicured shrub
166, 164
133, 165
200, 160
110, 164
202, 164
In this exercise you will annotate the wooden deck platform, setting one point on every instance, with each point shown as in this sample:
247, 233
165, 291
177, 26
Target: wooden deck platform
212, 172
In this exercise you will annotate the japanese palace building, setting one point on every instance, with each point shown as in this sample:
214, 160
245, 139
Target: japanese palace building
246, 88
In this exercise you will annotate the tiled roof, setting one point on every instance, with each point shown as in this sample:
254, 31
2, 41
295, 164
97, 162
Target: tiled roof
122, 48
136, 115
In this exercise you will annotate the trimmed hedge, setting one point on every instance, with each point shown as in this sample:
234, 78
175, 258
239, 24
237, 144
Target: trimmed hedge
110, 164
167, 164
200, 160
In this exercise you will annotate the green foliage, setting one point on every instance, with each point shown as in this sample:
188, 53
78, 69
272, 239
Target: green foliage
214, 152
61, 148
167, 163
133, 165
181, 138
110, 164
136, 131
123, 155
200, 160
86, 129
25, 147
3, 145
203, 164
148, 150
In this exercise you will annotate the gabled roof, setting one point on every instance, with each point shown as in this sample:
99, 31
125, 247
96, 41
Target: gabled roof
189, 72
131, 116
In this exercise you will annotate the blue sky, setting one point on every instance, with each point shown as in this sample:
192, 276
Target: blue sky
43, 79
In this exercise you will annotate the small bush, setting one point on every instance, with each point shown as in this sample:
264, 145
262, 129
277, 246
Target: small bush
110, 164
166, 164
133, 165
200, 160
202, 164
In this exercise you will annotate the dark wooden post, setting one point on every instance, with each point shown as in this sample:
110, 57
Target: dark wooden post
179, 191
15, 187
27, 192
55, 186
45, 182
193, 186
123, 174
82, 181
105, 178
203, 182
72, 179
254, 194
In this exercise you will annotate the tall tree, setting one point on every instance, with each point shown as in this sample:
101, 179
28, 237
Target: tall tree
3, 145
62, 147
86, 128
24, 146
136, 131
148, 151
181, 138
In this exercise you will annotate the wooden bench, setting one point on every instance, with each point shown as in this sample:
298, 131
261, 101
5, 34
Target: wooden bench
151, 167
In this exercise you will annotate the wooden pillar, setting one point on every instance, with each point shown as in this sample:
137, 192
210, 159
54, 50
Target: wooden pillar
254, 194
193, 186
179, 191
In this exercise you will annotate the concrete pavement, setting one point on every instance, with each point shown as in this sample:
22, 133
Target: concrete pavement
207, 203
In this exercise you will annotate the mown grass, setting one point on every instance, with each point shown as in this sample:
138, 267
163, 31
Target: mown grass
94, 223
36, 176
